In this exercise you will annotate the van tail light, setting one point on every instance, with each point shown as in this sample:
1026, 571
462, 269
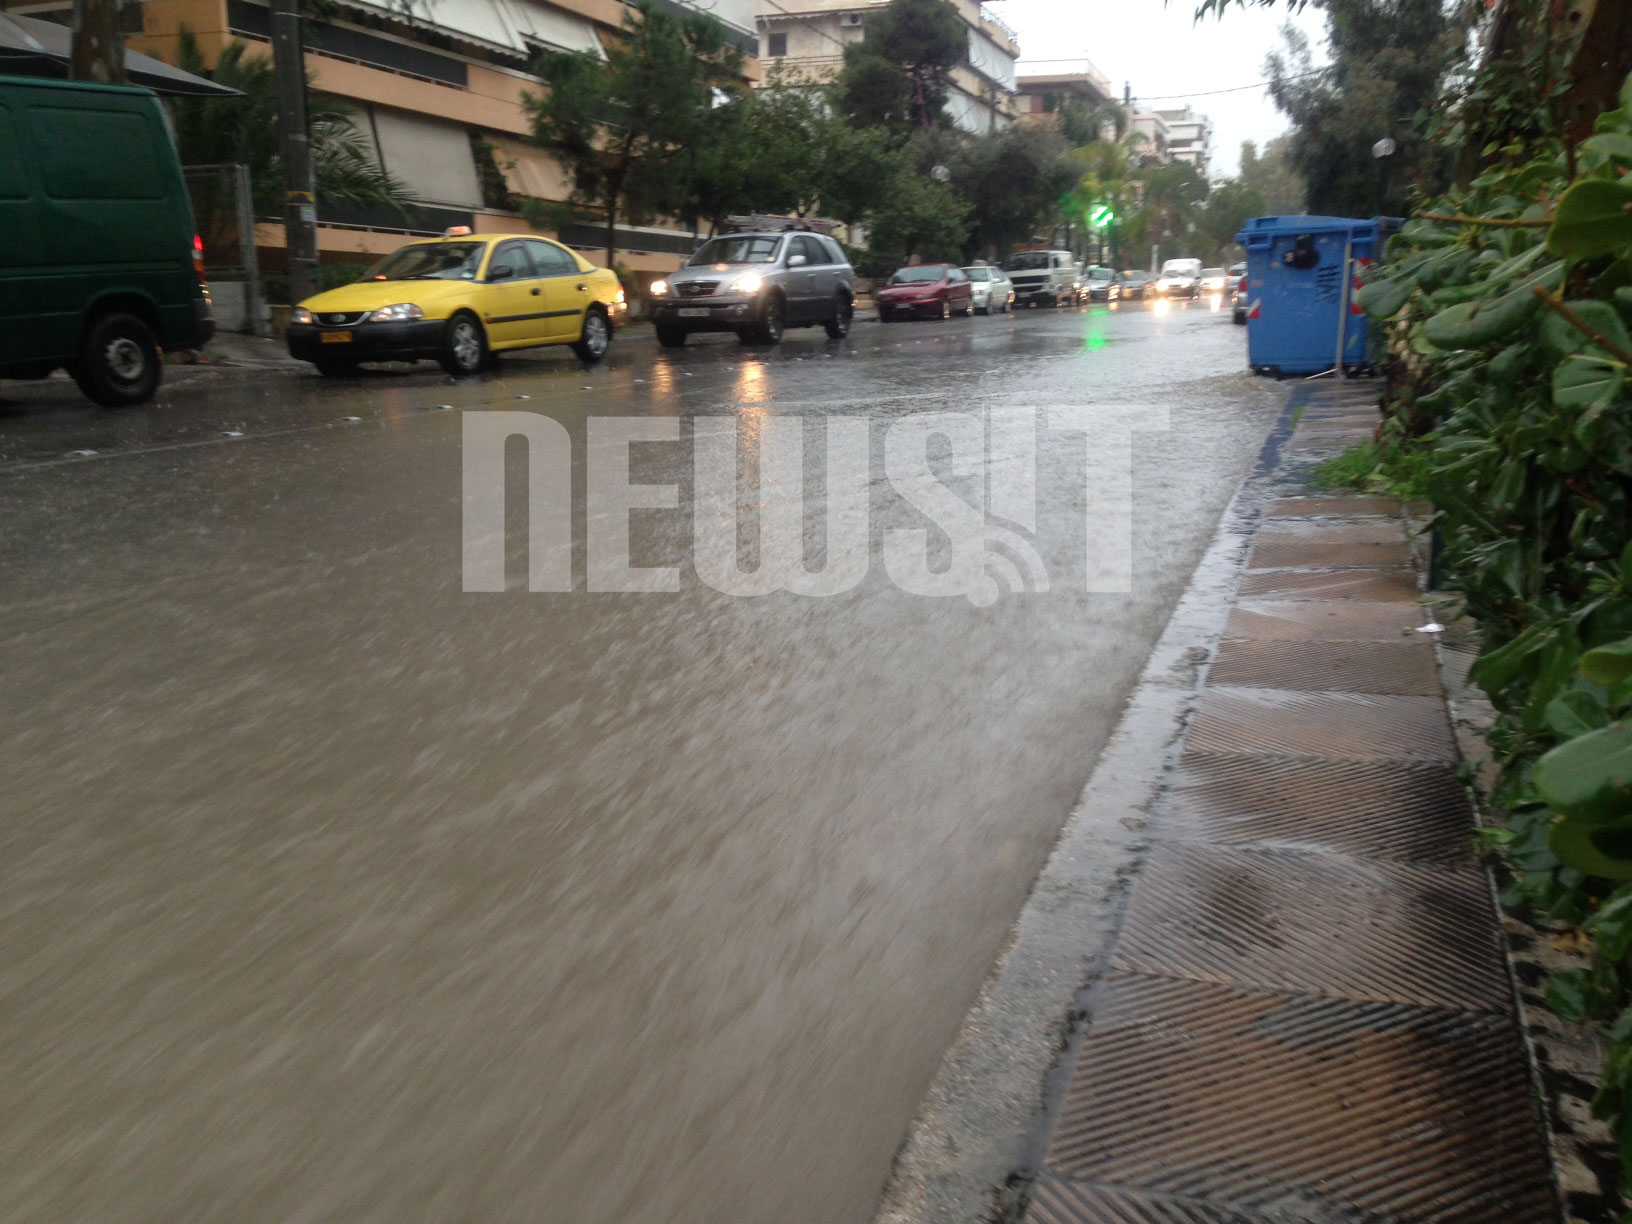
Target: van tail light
198, 257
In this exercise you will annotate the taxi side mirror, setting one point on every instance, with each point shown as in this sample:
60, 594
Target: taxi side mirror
500, 272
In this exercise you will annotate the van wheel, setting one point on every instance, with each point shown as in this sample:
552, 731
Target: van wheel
838, 327
595, 339
464, 347
119, 362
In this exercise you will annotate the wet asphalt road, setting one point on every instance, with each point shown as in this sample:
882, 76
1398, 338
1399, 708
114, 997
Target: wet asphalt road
330, 892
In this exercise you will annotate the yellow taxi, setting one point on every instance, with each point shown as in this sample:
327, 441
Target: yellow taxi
458, 299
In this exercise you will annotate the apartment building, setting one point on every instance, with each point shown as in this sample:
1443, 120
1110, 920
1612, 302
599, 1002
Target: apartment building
1043, 86
1190, 137
1156, 137
437, 87
808, 38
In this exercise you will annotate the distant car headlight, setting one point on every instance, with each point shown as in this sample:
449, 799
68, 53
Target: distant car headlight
396, 313
749, 283
300, 315
659, 288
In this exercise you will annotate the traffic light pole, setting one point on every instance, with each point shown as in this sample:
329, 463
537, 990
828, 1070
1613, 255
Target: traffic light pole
294, 150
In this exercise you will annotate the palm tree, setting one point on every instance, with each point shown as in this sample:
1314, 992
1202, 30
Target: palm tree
244, 130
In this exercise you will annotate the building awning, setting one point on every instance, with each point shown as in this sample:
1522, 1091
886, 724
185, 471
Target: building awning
31, 47
520, 27
529, 170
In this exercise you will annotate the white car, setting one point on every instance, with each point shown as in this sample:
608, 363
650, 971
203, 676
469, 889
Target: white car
1180, 278
1214, 280
994, 292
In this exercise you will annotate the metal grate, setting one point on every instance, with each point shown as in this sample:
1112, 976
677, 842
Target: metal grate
1354, 667
1339, 727
1055, 1200
1398, 585
1384, 932
1380, 810
1305, 1109
1323, 620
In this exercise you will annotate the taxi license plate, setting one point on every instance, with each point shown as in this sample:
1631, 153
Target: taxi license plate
694, 312
340, 337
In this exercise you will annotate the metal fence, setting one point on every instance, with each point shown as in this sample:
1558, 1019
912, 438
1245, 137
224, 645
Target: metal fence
225, 212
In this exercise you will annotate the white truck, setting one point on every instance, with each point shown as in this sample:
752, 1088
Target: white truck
1180, 278
1043, 278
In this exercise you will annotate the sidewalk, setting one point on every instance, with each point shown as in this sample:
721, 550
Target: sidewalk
1306, 1013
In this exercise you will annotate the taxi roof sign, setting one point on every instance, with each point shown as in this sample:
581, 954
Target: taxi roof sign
456, 231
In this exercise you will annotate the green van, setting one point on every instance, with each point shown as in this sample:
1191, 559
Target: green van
100, 267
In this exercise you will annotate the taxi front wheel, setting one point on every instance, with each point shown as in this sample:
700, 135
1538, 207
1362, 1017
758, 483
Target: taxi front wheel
464, 347
119, 362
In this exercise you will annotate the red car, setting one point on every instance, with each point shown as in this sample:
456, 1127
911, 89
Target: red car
932, 291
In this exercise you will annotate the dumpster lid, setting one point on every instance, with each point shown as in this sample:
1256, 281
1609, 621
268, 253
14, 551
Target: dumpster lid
1266, 227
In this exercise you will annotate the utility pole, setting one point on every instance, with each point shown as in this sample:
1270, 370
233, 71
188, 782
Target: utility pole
97, 52
294, 150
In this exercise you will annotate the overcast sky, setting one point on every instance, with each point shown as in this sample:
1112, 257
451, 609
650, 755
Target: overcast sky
1161, 51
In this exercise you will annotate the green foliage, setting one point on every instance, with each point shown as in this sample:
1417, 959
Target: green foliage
244, 130
1272, 176
1011, 178
1519, 361
920, 217
1223, 213
624, 129
899, 75
1397, 467
1388, 58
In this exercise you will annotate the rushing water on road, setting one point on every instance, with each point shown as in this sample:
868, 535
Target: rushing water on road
333, 893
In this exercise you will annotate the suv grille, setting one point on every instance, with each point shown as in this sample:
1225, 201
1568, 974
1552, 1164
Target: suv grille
697, 288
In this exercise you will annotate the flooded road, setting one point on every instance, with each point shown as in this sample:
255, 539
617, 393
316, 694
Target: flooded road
332, 892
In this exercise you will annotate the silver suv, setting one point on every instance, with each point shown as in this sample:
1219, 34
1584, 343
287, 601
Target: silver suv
757, 285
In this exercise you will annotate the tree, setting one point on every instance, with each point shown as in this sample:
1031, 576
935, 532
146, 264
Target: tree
1013, 179
899, 75
1082, 124
1226, 209
919, 217
624, 128
227, 130
97, 52
1169, 200
1271, 175
1389, 60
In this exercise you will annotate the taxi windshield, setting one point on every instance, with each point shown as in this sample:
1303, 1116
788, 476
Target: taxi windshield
739, 250
430, 261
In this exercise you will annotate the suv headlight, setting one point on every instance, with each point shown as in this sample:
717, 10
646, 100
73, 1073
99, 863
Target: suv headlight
659, 288
749, 283
396, 313
300, 315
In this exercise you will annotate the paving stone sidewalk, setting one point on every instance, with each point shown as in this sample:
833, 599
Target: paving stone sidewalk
1308, 1014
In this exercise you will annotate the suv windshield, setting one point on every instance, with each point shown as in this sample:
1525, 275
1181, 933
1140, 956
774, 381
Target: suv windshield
431, 261
738, 249
923, 272
979, 274
1025, 261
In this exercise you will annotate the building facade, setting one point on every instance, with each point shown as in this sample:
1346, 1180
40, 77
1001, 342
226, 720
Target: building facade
807, 38
1190, 137
1044, 86
436, 87
1155, 137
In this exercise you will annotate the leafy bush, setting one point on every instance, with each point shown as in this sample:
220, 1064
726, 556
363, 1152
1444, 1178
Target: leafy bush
1507, 307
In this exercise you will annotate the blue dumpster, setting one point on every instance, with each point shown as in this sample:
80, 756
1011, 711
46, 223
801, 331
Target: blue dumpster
1297, 298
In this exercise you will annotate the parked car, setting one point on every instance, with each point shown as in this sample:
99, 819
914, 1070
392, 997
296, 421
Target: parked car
1042, 278
458, 300
1100, 285
1180, 278
927, 290
1214, 280
757, 285
993, 292
1136, 284
101, 268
